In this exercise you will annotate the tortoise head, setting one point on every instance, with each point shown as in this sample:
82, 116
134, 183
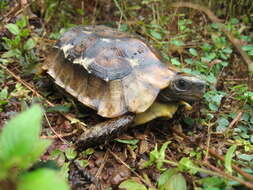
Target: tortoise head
183, 87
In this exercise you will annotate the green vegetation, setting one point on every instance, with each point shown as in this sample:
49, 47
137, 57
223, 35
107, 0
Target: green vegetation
21, 147
20, 46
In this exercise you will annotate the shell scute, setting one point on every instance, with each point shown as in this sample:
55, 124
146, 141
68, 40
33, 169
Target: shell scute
109, 71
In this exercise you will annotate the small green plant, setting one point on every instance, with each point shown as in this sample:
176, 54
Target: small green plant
157, 157
18, 92
20, 46
3, 5
214, 99
170, 179
4, 96
243, 93
21, 147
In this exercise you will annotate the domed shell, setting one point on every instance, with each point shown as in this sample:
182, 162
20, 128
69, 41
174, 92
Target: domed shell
107, 70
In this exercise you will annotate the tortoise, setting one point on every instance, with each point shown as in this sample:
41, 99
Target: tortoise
120, 76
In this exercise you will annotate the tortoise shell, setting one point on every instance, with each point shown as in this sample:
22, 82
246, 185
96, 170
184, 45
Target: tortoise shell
110, 71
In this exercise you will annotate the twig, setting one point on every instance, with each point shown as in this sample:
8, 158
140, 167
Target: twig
236, 168
27, 85
15, 11
235, 120
120, 9
236, 43
215, 154
60, 135
52, 129
100, 169
102, 165
125, 164
217, 170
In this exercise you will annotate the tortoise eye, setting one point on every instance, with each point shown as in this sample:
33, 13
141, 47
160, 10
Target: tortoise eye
182, 84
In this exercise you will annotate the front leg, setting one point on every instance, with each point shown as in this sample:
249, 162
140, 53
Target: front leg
104, 132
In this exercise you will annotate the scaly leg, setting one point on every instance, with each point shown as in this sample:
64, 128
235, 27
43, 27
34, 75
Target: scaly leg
104, 132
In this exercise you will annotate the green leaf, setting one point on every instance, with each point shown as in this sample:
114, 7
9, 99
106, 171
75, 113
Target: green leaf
227, 50
25, 32
245, 157
70, 153
248, 47
213, 182
222, 124
10, 53
214, 25
156, 34
4, 93
157, 156
177, 43
234, 21
88, 151
165, 176
176, 182
13, 28
29, 44
193, 52
42, 179
212, 106
132, 185
189, 61
185, 164
59, 108
174, 61
250, 52
211, 78
131, 142
19, 141
123, 27
228, 158
22, 22
206, 47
